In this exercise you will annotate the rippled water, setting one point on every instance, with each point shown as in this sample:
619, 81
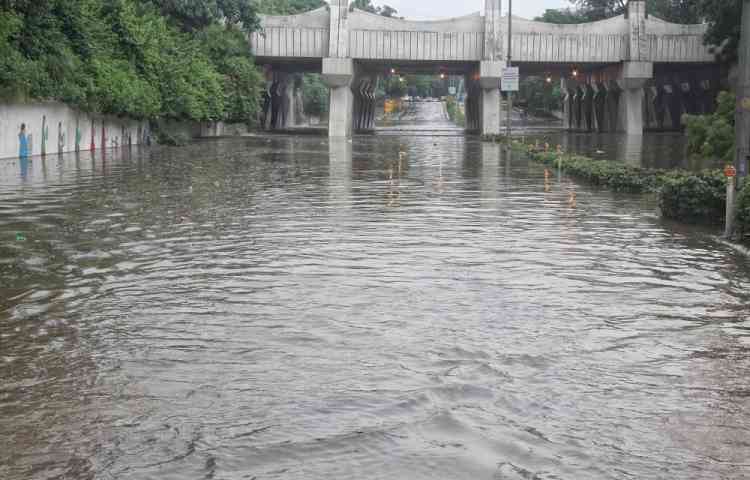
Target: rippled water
290, 309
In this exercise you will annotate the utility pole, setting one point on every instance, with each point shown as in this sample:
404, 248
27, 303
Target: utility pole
742, 115
510, 45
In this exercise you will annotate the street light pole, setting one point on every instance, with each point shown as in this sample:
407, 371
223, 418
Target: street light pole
742, 115
742, 123
509, 93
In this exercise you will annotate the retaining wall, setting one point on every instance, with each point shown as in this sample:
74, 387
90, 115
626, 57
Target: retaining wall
66, 129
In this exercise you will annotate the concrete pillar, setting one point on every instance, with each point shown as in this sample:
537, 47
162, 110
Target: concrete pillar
674, 105
578, 108
632, 108
588, 106
600, 101
651, 93
338, 74
633, 80
567, 87
614, 92
290, 115
490, 75
472, 105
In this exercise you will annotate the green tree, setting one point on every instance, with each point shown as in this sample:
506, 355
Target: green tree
724, 25
288, 7
137, 58
563, 16
368, 6
676, 11
712, 136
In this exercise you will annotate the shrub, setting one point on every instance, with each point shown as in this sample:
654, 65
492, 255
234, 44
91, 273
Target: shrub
684, 196
712, 136
742, 219
694, 198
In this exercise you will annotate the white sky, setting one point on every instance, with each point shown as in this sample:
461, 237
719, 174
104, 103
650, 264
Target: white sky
424, 9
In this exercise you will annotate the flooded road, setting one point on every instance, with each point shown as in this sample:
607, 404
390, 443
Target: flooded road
287, 308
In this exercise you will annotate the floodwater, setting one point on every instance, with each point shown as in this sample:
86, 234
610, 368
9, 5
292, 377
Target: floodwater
287, 308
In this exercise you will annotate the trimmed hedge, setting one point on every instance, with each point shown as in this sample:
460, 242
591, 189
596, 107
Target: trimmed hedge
691, 197
694, 198
742, 220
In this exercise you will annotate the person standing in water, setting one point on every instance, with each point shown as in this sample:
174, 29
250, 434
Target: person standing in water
23, 142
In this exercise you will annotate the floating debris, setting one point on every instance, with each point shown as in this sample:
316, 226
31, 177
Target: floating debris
20, 237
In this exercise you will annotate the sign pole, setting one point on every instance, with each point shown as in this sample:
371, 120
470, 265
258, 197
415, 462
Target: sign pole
742, 114
510, 41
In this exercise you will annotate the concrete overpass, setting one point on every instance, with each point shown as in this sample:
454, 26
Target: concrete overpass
621, 74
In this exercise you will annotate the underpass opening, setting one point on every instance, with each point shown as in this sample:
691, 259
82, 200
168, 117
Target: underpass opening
417, 98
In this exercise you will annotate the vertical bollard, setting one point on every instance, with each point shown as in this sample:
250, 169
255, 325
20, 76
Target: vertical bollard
731, 173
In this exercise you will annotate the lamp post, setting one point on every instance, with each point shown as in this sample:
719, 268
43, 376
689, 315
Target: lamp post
742, 116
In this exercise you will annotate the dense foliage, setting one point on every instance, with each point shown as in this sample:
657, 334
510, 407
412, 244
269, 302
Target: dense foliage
314, 92
367, 6
712, 136
743, 213
723, 18
694, 198
315, 95
288, 7
676, 11
538, 95
145, 59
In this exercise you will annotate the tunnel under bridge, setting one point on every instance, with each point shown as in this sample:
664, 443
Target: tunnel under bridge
627, 73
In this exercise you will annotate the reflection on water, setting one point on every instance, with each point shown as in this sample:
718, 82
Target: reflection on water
391, 308
651, 150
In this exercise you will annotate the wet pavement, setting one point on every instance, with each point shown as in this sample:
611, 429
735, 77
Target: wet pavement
397, 307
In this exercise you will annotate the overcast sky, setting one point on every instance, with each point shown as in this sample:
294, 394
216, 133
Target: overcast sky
421, 9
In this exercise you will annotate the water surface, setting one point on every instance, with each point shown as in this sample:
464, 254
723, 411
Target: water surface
287, 308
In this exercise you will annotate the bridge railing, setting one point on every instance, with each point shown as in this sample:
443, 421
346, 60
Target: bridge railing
557, 48
678, 48
282, 41
416, 45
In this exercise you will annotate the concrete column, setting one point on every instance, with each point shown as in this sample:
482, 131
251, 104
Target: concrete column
633, 80
370, 121
588, 106
674, 105
578, 108
613, 106
600, 102
650, 119
338, 74
632, 108
472, 105
566, 87
290, 115
490, 74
